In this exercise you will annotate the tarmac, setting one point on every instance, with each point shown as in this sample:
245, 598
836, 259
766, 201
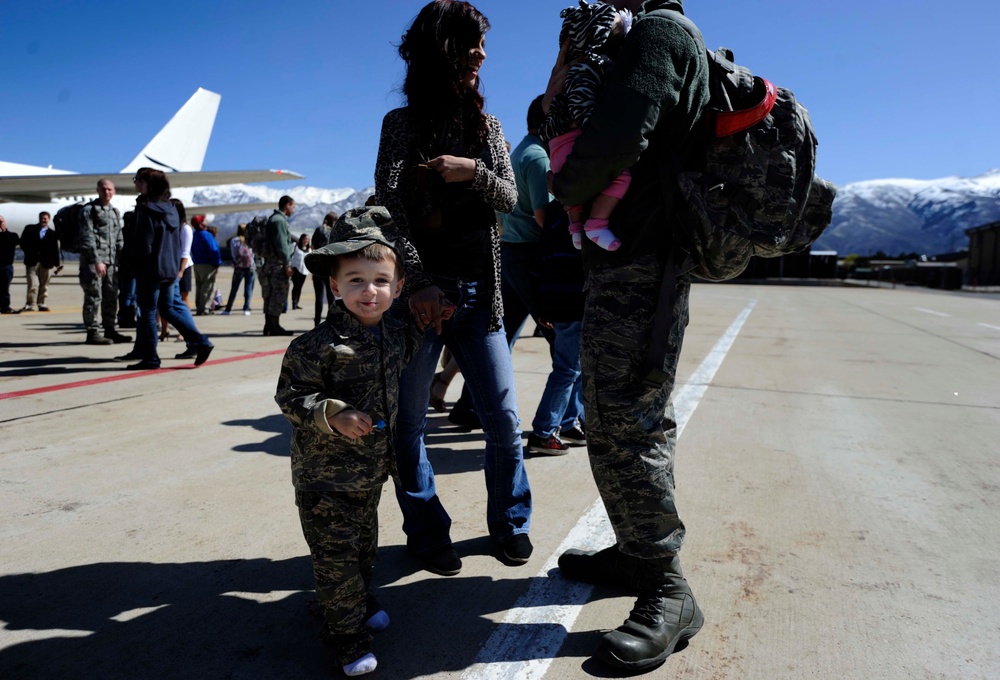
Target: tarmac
838, 474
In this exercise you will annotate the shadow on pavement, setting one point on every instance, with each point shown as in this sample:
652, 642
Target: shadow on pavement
246, 619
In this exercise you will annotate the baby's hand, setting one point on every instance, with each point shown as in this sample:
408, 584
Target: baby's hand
352, 424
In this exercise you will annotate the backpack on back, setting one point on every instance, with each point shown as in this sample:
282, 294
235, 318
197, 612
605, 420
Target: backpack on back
754, 190
257, 236
67, 225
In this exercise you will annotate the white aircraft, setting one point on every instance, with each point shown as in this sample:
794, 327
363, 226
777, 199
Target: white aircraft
179, 149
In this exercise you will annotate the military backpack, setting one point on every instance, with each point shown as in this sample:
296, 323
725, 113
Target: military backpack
256, 236
67, 225
752, 189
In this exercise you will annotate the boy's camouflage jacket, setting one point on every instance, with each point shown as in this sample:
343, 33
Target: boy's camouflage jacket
341, 365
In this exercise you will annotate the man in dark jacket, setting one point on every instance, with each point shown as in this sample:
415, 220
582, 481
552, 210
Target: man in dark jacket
154, 254
648, 110
8, 244
42, 259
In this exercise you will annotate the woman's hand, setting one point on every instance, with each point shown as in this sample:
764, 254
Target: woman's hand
352, 424
429, 306
454, 168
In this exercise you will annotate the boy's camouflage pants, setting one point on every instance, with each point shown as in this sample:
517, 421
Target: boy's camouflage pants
631, 431
341, 529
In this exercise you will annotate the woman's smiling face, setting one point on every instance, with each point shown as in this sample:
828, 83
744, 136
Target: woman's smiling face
472, 63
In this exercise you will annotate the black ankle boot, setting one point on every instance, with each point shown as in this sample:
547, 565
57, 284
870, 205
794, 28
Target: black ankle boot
608, 567
276, 328
664, 616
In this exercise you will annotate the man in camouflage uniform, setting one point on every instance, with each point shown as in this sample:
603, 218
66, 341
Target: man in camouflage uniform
277, 268
100, 242
339, 387
647, 111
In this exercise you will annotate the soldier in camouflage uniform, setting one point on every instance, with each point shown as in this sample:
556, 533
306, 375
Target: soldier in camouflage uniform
339, 387
647, 113
277, 268
100, 243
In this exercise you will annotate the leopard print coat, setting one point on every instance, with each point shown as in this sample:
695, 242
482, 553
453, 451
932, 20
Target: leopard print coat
493, 181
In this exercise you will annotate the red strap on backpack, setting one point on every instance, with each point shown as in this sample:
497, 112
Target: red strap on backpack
730, 122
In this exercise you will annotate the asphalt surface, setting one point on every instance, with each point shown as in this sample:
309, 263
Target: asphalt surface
838, 473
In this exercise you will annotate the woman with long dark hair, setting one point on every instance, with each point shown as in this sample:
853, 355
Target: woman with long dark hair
155, 256
443, 171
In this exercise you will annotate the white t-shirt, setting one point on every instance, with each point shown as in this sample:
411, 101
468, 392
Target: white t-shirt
187, 236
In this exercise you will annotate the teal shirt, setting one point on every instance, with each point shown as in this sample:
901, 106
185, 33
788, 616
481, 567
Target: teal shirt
531, 165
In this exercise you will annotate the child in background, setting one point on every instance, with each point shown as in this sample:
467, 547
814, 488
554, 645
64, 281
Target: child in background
339, 387
595, 33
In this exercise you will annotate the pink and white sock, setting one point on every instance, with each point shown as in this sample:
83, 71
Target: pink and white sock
576, 231
598, 232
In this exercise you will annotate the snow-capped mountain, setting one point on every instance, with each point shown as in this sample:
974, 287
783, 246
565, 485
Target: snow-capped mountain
312, 204
906, 215
889, 215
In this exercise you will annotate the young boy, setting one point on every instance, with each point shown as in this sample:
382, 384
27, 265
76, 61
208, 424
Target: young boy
339, 387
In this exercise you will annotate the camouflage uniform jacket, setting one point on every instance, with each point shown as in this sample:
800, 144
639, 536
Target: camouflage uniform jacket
342, 365
649, 109
100, 237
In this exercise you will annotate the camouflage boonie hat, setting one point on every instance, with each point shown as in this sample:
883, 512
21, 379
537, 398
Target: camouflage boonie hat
355, 230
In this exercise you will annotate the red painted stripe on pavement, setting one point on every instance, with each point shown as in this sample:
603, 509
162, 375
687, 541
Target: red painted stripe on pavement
132, 374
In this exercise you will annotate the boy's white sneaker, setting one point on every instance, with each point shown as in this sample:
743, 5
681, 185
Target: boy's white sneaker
365, 664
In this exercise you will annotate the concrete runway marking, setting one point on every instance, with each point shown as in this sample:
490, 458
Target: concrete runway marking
537, 628
930, 311
132, 374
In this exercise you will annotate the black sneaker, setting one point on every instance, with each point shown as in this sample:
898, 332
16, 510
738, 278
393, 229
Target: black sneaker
201, 356
517, 548
574, 435
131, 356
189, 353
551, 446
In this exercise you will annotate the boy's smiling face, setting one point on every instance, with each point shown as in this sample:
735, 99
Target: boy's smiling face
367, 287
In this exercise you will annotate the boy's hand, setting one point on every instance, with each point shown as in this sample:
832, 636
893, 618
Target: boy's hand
352, 424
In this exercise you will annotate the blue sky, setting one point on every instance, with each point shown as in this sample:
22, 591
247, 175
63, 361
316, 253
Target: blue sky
895, 89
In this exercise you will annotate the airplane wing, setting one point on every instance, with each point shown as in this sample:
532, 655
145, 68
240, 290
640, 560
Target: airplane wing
46, 188
224, 209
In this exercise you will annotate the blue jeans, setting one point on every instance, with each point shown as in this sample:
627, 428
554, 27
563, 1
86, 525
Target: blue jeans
165, 297
245, 275
561, 404
484, 359
562, 390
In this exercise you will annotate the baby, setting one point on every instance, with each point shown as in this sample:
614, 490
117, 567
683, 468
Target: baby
595, 33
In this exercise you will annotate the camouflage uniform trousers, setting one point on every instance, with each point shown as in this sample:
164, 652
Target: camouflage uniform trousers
274, 287
631, 429
99, 293
341, 529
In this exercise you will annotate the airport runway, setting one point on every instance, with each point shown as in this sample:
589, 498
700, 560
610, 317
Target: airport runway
838, 473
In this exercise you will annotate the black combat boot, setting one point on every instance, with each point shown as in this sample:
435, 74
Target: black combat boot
665, 615
268, 324
95, 338
608, 567
116, 337
276, 328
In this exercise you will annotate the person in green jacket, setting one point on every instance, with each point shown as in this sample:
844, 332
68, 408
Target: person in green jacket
648, 109
277, 268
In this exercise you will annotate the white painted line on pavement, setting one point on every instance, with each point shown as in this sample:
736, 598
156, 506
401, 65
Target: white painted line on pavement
930, 311
525, 643
996, 328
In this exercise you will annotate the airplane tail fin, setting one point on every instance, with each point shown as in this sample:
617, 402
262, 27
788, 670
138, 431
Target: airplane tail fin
181, 145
